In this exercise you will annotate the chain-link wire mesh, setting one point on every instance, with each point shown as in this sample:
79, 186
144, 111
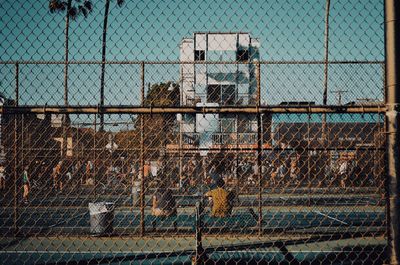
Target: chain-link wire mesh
192, 132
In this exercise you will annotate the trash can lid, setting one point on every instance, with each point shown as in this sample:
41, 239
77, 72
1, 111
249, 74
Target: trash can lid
100, 207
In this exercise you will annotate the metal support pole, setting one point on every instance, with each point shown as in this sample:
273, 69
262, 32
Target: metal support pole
309, 180
142, 186
22, 148
278, 109
180, 149
15, 174
392, 48
16, 103
260, 189
258, 80
259, 145
326, 47
204, 175
69, 3
16, 160
95, 155
237, 157
180, 122
200, 256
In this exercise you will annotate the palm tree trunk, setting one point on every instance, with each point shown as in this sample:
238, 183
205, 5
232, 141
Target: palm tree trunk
103, 59
65, 118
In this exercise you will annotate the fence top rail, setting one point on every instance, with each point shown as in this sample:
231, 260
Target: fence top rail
191, 62
371, 108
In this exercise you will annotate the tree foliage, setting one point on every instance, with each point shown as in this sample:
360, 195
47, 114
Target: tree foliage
158, 129
163, 95
78, 7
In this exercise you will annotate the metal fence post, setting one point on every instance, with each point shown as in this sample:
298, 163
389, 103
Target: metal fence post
326, 47
180, 121
259, 144
95, 171
392, 54
15, 116
142, 186
200, 256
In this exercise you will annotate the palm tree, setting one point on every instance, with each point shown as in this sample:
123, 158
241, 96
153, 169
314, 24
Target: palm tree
71, 11
103, 56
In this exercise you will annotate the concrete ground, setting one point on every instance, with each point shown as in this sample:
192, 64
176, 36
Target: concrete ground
155, 250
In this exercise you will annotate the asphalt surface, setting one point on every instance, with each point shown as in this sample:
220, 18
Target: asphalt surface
57, 230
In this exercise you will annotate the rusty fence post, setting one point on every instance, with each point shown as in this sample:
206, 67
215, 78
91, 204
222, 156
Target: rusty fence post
142, 181
259, 145
200, 255
392, 56
95, 169
16, 160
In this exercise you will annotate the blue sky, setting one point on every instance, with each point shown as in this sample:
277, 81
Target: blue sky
152, 30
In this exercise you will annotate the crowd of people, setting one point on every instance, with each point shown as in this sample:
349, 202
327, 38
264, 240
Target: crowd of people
197, 174
73, 173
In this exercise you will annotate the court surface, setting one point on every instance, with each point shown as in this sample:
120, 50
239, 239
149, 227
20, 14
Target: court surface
58, 230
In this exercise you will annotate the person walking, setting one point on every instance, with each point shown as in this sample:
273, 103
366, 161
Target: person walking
25, 185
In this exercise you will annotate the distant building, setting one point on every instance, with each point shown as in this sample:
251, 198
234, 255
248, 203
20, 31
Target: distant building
362, 143
340, 135
219, 85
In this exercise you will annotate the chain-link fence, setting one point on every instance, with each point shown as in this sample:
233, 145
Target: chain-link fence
183, 132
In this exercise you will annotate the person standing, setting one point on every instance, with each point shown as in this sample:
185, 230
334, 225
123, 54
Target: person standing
294, 173
89, 180
164, 203
136, 188
343, 170
25, 185
64, 175
2, 178
56, 175
77, 173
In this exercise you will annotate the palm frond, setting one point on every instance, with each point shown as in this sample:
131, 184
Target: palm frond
73, 13
120, 2
88, 5
53, 5
57, 5
63, 5
84, 11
